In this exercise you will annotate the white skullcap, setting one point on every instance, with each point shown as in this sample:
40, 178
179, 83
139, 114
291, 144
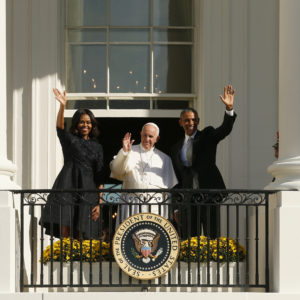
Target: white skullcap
152, 124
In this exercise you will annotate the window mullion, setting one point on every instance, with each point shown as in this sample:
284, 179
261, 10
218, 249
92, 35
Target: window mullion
107, 49
151, 51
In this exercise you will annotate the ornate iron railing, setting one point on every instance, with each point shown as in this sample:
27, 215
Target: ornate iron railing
234, 253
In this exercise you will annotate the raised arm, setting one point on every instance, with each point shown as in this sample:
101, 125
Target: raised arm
62, 99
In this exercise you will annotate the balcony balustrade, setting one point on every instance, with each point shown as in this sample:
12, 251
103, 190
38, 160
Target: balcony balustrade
237, 257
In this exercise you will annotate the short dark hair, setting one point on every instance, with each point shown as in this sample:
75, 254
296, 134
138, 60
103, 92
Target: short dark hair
76, 119
189, 109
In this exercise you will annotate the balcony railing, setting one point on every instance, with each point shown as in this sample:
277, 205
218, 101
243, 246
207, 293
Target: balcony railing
224, 237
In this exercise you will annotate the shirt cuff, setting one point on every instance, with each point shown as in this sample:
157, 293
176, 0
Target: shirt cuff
124, 153
230, 112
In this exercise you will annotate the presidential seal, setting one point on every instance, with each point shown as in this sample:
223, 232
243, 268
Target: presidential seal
146, 246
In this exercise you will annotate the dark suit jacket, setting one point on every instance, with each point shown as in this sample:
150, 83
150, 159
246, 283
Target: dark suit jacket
204, 157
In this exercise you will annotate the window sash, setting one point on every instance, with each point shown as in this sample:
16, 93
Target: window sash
151, 94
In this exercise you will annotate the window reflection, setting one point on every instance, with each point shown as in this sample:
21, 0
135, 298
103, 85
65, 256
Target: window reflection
130, 12
172, 69
172, 12
86, 12
129, 69
86, 69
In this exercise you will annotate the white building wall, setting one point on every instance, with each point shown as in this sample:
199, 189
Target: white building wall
239, 45
34, 35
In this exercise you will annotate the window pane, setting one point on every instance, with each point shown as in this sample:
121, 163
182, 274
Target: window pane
129, 12
172, 35
129, 69
170, 104
129, 104
86, 35
86, 71
91, 104
172, 69
86, 12
172, 12
129, 35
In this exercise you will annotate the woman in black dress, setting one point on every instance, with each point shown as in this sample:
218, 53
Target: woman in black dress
76, 213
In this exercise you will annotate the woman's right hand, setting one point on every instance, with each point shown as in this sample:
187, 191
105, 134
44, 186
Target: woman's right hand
61, 97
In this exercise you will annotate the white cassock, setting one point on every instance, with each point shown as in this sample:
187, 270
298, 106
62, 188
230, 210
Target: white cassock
141, 169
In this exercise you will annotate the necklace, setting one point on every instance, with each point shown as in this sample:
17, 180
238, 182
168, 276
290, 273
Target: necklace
145, 164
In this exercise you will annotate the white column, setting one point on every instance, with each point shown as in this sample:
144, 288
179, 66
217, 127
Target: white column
7, 168
287, 169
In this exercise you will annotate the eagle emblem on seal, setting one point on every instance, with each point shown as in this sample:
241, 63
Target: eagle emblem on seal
146, 242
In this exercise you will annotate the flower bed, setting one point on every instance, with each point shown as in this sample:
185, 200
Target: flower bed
86, 251
218, 250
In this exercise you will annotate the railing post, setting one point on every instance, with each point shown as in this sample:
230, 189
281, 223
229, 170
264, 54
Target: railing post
267, 243
22, 244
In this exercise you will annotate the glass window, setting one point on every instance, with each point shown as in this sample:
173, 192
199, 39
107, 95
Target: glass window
172, 12
172, 69
170, 104
129, 104
86, 12
130, 47
130, 12
129, 66
86, 69
90, 104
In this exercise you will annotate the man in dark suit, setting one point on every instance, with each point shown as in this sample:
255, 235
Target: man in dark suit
194, 162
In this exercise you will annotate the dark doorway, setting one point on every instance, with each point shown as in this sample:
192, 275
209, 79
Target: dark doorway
112, 131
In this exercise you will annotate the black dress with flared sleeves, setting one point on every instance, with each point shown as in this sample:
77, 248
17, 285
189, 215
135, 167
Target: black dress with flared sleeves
83, 161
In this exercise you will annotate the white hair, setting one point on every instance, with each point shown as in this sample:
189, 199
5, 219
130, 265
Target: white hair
152, 124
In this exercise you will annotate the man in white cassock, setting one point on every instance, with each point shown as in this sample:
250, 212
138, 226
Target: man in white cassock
143, 167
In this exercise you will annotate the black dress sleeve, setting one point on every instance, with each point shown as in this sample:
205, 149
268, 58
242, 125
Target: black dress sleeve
65, 137
99, 167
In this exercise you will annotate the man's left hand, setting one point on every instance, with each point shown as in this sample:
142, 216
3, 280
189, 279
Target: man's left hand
228, 97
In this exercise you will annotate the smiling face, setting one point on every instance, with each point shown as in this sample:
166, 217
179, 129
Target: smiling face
84, 126
189, 121
149, 137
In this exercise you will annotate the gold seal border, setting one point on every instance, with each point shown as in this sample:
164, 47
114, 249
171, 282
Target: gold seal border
121, 260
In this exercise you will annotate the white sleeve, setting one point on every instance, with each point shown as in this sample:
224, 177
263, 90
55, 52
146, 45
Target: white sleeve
230, 112
118, 165
172, 179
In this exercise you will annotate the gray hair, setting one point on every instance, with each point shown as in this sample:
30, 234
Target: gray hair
152, 124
